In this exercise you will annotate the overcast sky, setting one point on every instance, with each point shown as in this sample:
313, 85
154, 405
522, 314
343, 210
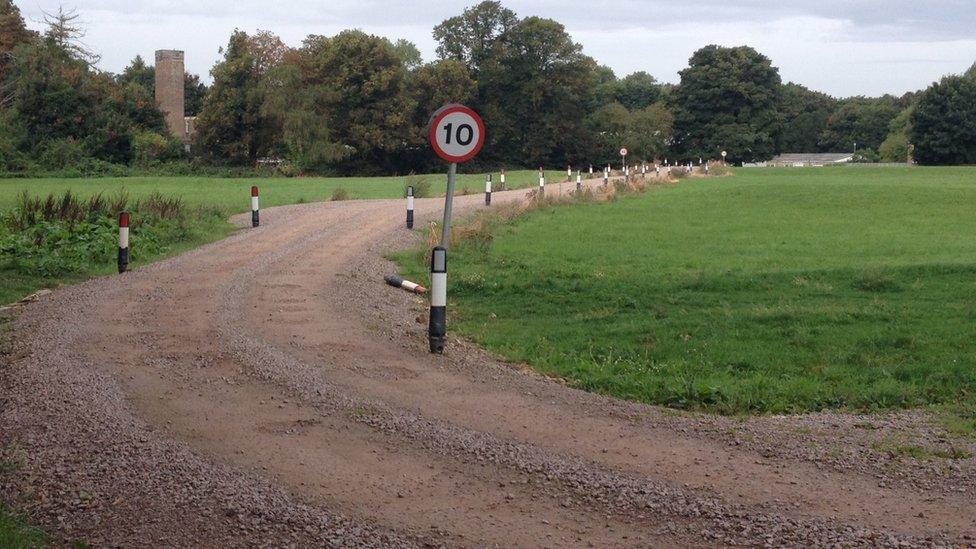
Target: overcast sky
842, 47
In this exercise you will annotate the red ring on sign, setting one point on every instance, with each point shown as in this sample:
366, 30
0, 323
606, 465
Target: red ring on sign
436, 122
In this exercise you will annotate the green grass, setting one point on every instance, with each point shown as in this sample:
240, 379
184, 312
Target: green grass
17, 534
772, 291
233, 195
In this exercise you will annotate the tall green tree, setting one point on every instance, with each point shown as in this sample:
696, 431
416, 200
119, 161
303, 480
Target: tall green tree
359, 82
409, 54
944, 122
472, 36
649, 132
802, 116
638, 91
860, 120
535, 95
229, 127
727, 101
13, 32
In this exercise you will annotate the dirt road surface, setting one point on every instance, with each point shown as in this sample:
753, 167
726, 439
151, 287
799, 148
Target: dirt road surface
270, 390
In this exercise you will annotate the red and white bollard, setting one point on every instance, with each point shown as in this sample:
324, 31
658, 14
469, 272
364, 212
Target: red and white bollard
123, 242
399, 282
409, 206
437, 324
254, 206
488, 190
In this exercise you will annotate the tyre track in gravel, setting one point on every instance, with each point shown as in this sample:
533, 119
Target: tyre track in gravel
272, 353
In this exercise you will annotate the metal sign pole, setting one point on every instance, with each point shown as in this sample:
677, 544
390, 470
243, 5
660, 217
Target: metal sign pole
448, 203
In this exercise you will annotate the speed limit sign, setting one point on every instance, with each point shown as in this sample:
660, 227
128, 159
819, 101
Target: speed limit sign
623, 152
456, 133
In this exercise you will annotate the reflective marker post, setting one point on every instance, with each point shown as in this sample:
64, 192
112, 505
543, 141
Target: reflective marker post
254, 206
437, 327
410, 207
488, 190
542, 182
579, 181
123, 242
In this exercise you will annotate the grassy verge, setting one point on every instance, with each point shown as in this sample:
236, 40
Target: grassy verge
65, 239
233, 195
775, 291
15, 533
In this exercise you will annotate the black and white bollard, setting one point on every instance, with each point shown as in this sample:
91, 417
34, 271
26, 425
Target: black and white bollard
706, 168
488, 190
123, 242
410, 206
501, 181
643, 171
591, 170
579, 181
254, 206
569, 174
542, 182
606, 176
437, 326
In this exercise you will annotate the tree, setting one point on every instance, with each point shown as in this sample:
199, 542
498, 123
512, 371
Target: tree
649, 132
229, 124
13, 32
535, 93
471, 36
409, 54
801, 118
860, 120
268, 51
359, 86
895, 148
193, 93
608, 126
65, 32
727, 101
944, 122
637, 91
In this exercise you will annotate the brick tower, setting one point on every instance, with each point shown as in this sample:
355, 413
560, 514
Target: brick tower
169, 90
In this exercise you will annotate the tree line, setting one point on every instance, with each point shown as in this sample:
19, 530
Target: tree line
355, 103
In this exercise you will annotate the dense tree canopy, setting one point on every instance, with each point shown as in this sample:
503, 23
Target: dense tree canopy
944, 122
727, 101
359, 103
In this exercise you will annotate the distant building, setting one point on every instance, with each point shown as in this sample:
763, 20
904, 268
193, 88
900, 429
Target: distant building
800, 160
170, 95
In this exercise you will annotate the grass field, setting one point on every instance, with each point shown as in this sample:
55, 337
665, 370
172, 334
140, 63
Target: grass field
771, 291
202, 197
233, 195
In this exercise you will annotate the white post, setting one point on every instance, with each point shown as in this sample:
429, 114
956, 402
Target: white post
123, 241
410, 206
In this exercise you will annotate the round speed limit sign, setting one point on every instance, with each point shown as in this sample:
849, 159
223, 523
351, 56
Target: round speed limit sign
456, 133
623, 152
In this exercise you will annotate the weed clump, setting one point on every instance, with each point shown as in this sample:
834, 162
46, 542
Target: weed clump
339, 194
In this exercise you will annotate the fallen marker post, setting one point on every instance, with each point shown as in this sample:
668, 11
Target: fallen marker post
123, 242
399, 282
488, 190
457, 135
410, 206
254, 206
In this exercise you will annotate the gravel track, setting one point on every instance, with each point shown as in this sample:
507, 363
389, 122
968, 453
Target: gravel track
269, 390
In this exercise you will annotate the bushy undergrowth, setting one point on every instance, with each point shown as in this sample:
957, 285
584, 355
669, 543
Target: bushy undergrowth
45, 239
